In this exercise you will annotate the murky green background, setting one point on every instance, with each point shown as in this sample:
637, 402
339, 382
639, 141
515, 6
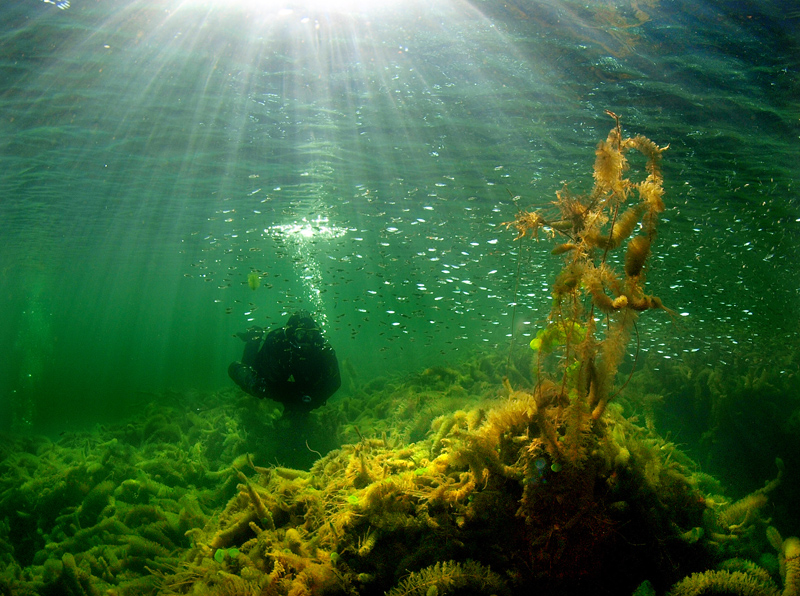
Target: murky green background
153, 154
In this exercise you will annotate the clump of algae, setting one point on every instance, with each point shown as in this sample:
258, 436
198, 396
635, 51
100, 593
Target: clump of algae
478, 505
451, 481
99, 511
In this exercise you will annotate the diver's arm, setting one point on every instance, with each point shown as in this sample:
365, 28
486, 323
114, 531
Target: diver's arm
247, 378
252, 339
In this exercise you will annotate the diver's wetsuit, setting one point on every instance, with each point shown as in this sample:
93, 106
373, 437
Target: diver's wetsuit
294, 365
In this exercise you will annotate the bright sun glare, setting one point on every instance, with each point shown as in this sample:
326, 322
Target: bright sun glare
291, 6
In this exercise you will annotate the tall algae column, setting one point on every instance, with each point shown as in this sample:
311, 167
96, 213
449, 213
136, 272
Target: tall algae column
595, 306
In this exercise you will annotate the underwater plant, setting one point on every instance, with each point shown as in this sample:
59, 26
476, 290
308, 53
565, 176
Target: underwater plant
253, 280
595, 306
450, 577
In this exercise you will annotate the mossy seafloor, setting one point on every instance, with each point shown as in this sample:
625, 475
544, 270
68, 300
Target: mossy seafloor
446, 487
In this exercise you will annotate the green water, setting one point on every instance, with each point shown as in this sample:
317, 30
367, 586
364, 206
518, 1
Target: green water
156, 153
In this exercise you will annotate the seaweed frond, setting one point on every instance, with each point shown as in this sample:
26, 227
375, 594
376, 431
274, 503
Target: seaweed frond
450, 577
590, 293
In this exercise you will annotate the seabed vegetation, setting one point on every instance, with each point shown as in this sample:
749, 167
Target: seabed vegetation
513, 474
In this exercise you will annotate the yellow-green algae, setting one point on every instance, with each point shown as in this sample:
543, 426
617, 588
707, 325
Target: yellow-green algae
491, 476
117, 511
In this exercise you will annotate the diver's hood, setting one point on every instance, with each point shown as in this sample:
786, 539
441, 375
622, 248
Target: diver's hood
301, 319
301, 328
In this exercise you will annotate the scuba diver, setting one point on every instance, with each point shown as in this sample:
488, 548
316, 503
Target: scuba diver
294, 365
